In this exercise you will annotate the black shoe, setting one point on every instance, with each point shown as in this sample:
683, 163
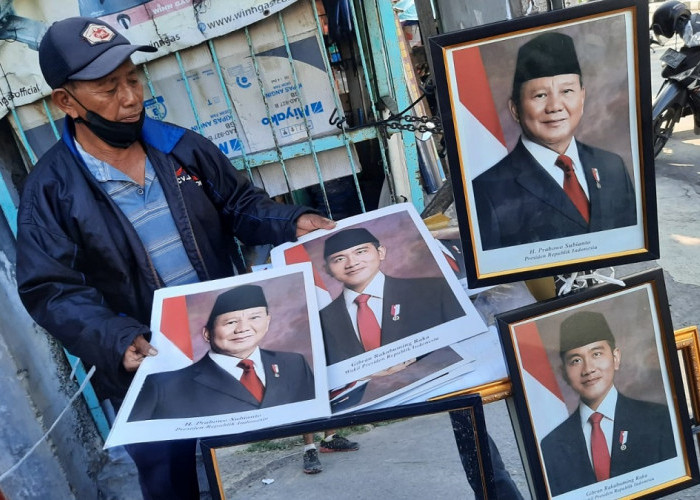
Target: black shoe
312, 465
337, 444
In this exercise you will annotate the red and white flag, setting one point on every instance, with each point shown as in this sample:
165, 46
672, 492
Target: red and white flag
175, 327
546, 403
298, 254
479, 132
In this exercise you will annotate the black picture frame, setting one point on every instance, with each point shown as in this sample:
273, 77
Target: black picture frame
468, 425
473, 73
545, 405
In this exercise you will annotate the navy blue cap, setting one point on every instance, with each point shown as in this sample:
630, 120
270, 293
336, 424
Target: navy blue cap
83, 48
583, 328
548, 54
237, 299
347, 238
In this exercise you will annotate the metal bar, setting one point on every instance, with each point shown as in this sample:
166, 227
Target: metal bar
388, 22
189, 92
23, 137
338, 107
310, 140
374, 28
49, 115
149, 82
267, 110
8, 207
301, 149
229, 106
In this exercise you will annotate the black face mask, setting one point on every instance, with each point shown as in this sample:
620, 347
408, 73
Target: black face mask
116, 134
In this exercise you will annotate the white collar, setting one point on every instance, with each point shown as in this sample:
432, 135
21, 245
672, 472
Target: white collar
375, 288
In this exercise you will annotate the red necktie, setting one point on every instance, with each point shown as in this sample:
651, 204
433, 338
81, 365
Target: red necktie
250, 379
599, 448
370, 332
572, 188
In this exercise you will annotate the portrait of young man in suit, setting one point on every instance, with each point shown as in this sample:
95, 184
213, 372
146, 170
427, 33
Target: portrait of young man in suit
550, 185
375, 309
609, 434
236, 374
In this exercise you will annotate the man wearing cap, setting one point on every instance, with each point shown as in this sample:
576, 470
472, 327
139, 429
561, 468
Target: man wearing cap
236, 374
550, 185
374, 309
123, 205
609, 434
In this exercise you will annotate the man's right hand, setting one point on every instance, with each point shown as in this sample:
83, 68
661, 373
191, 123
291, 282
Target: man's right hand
136, 353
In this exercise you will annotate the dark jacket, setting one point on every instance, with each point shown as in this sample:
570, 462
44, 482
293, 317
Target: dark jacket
649, 441
83, 273
204, 388
518, 202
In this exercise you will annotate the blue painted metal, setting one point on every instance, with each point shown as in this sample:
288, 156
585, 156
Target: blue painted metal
229, 106
193, 105
301, 149
23, 137
382, 78
339, 109
49, 115
392, 48
374, 28
261, 87
8, 207
300, 96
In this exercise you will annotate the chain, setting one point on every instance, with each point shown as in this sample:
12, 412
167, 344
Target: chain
425, 124
430, 124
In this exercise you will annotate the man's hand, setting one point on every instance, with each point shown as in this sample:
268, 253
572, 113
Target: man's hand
136, 353
310, 222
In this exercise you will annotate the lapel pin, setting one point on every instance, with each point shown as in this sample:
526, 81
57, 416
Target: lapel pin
395, 311
276, 370
623, 440
596, 176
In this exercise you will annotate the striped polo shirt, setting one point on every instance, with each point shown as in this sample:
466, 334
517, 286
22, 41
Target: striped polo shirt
149, 213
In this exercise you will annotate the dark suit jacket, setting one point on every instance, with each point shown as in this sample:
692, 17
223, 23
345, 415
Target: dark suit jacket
424, 303
649, 441
204, 388
518, 202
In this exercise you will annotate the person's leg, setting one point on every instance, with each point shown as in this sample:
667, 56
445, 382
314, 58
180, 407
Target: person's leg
312, 465
505, 486
167, 469
502, 482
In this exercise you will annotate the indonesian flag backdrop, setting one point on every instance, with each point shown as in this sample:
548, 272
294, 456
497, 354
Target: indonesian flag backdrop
536, 341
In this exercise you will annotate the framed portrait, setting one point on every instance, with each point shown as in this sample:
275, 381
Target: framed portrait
389, 257
468, 426
547, 129
598, 399
688, 345
198, 384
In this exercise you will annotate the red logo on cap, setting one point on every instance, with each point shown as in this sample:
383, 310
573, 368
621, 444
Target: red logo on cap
98, 33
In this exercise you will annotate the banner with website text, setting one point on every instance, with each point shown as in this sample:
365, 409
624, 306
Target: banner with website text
169, 25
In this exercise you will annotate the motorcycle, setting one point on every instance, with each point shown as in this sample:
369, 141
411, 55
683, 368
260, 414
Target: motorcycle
679, 94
